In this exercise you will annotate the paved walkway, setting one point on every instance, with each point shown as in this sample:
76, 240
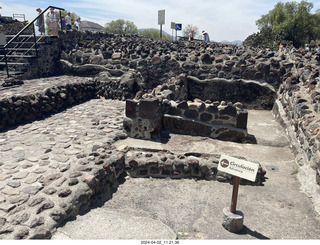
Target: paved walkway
40, 162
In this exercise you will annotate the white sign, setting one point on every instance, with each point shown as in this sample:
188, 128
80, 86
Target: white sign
237, 167
161, 17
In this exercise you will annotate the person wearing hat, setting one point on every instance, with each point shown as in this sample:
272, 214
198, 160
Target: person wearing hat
40, 22
205, 36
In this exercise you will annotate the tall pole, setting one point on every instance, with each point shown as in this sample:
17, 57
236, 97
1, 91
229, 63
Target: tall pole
160, 31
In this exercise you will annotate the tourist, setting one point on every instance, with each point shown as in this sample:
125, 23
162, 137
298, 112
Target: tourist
78, 24
53, 22
307, 47
205, 36
68, 21
63, 23
40, 22
191, 35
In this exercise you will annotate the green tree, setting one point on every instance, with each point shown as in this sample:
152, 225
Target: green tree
291, 22
121, 26
153, 34
186, 30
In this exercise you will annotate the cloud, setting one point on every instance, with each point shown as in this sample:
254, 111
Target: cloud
222, 19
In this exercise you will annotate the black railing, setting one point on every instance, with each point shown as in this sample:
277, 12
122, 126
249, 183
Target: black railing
5, 47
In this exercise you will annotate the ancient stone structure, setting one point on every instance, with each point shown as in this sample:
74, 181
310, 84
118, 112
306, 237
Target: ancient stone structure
165, 84
146, 119
127, 67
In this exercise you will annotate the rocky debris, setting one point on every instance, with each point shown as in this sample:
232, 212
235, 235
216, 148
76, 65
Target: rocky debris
12, 81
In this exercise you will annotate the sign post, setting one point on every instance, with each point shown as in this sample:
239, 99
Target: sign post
233, 219
173, 26
178, 27
161, 20
234, 199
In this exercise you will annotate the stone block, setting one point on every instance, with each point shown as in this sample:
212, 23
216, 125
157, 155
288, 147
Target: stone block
131, 108
228, 110
232, 222
191, 113
242, 119
148, 108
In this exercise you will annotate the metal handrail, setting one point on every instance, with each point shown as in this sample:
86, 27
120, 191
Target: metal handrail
20, 32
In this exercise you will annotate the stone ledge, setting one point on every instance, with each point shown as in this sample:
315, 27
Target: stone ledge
165, 164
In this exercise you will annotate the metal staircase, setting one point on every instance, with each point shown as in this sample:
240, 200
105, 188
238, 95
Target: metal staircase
17, 50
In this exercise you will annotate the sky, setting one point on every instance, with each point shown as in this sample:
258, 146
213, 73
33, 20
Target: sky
223, 19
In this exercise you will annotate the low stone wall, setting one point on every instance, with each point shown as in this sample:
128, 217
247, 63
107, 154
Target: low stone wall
165, 164
298, 108
252, 94
147, 118
25, 108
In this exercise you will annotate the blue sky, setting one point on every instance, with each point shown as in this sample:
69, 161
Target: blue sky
222, 19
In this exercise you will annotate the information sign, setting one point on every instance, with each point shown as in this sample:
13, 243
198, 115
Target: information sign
238, 167
161, 17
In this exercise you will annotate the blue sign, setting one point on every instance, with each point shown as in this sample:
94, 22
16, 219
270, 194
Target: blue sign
178, 27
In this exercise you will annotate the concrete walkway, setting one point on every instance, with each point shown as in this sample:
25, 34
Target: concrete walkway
192, 209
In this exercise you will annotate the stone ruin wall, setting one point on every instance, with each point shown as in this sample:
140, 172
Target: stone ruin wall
123, 66
147, 118
14, 28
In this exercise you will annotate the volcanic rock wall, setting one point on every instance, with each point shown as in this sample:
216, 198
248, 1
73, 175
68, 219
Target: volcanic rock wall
14, 28
128, 67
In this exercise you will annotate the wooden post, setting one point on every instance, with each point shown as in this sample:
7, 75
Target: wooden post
236, 182
160, 31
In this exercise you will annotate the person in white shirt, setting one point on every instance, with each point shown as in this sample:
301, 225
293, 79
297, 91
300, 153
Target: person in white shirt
78, 24
205, 36
68, 21
53, 21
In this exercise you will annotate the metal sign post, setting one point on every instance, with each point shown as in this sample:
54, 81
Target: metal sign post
161, 20
233, 219
173, 26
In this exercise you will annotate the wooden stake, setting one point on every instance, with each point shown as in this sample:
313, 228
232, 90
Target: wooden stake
236, 182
